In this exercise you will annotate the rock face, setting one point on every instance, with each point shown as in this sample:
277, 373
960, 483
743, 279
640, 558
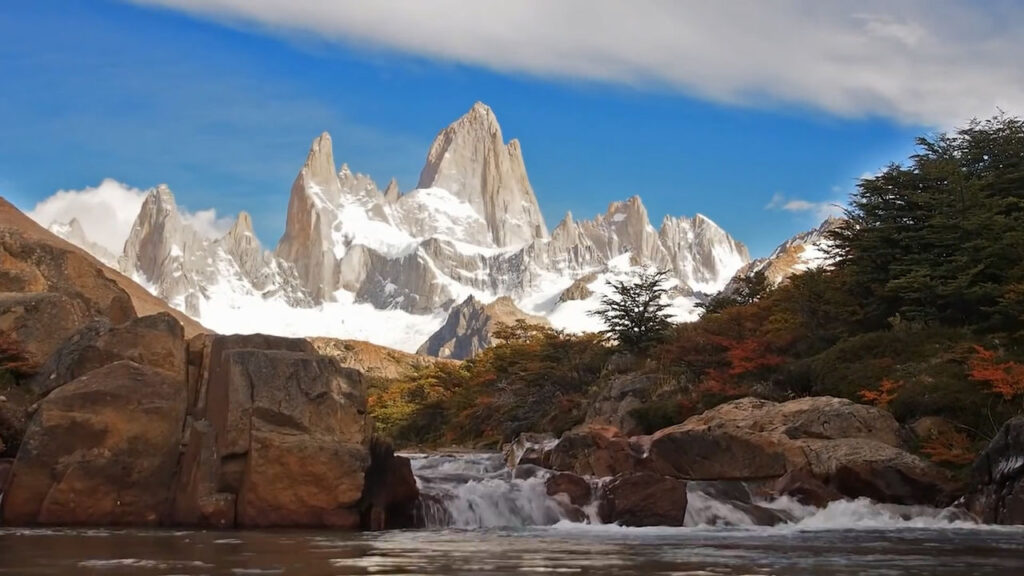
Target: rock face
36, 267
641, 499
48, 289
157, 341
470, 160
182, 265
470, 327
805, 251
593, 451
276, 426
997, 477
852, 448
102, 450
235, 431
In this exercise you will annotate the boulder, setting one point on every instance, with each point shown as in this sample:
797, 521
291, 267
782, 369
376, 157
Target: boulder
102, 450
850, 448
278, 427
390, 495
576, 489
528, 448
37, 324
643, 499
593, 451
863, 468
157, 341
803, 487
996, 492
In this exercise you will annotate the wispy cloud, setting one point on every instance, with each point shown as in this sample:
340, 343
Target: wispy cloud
935, 62
819, 210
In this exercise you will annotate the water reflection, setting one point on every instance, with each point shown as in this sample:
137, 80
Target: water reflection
561, 549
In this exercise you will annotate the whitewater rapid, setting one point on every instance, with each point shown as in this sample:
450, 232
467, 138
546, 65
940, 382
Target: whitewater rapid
478, 491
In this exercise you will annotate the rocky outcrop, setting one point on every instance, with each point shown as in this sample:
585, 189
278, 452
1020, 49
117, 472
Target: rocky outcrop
593, 451
577, 490
372, 360
156, 341
853, 449
48, 289
390, 494
642, 499
805, 251
101, 450
469, 159
996, 492
579, 289
470, 327
814, 449
40, 267
182, 264
618, 396
278, 427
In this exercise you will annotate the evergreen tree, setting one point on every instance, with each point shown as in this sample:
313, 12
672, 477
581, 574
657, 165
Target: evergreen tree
941, 241
635, 314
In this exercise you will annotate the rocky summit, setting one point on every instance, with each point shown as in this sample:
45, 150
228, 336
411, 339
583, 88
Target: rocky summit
358, 261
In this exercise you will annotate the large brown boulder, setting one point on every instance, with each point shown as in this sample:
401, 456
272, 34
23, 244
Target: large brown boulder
851, 448
864, 468
278, 427
390, 495
157, 341
593, 451
101, 450
576, 489
643, 499
997, 477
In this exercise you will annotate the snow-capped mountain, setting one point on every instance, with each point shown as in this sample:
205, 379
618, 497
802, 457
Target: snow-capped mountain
362, 263
803, 252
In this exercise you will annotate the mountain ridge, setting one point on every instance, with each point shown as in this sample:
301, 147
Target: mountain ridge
358, 254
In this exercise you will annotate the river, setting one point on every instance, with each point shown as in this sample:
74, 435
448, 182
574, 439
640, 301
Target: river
487, 521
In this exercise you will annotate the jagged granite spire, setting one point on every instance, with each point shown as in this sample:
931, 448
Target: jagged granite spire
469, 158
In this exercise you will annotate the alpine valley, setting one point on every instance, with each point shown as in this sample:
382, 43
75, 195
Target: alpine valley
432, 269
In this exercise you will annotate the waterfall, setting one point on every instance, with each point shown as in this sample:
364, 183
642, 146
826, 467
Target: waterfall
468, 491
479, 491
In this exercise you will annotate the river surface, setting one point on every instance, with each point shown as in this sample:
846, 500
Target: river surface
489, 521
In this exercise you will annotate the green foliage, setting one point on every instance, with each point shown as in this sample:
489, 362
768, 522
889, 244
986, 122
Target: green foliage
635, 314
940, 241
746, 290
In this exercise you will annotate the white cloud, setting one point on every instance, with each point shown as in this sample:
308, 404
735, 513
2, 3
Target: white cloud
936, 62
207, 223
819, 210
107, 212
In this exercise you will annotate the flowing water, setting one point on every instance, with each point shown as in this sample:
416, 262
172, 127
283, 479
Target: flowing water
486, 520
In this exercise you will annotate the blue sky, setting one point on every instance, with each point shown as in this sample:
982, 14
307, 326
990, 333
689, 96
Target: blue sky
221, 99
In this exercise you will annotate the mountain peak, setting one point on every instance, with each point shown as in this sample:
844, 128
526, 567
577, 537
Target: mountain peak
319, 166
243, 225
470, 160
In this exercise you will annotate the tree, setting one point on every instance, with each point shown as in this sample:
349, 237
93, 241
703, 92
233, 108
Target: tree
635, 313
744, 289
